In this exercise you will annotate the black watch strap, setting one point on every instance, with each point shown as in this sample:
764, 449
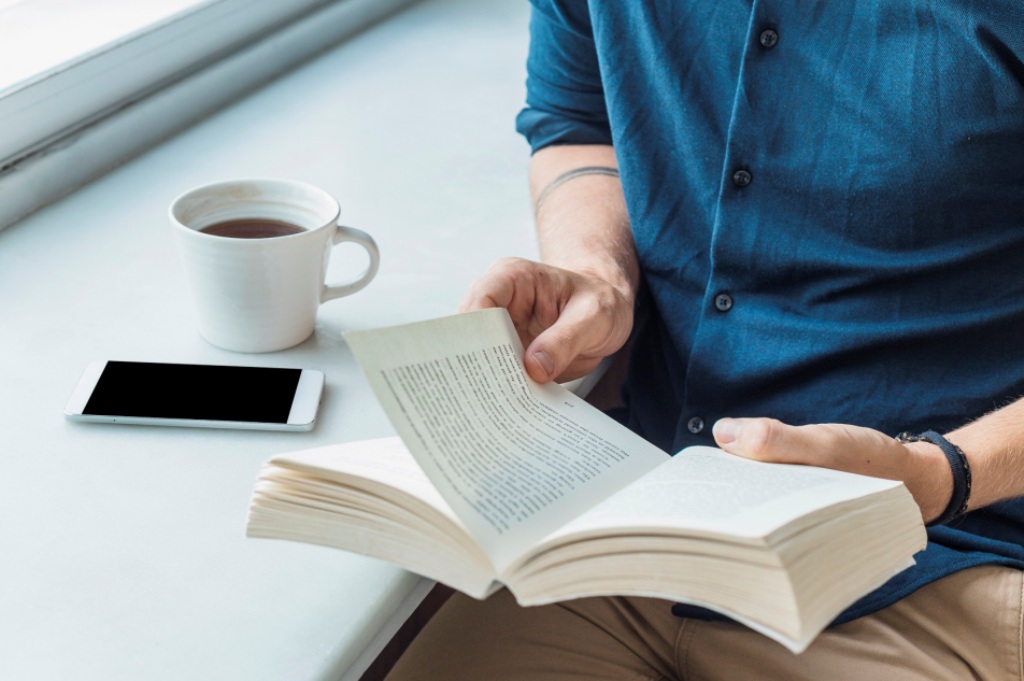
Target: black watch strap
961, 473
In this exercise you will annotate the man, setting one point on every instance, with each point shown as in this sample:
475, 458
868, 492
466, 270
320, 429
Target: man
816, 210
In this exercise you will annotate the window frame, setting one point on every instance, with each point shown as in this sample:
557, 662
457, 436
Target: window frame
70, 124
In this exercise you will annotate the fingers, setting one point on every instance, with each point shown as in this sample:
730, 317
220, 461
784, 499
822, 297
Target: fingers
496, 288
568, 321
531, 292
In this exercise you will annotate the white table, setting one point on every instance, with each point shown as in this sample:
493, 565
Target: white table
122, 553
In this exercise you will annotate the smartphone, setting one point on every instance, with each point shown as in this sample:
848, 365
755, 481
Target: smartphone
197, 395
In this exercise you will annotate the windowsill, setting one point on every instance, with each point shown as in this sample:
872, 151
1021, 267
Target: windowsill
69, 124
37, 37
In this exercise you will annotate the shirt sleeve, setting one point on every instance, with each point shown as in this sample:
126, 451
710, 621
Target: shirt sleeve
564, 96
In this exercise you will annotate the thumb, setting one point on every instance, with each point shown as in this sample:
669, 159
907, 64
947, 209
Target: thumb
761, 439
540, 365
558, 346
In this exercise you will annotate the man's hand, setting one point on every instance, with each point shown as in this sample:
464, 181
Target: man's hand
576, 308
567, 320
921, 466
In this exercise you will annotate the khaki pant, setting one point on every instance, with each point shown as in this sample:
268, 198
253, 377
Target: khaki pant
967, 626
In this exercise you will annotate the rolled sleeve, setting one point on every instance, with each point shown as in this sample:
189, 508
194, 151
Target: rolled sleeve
564, 100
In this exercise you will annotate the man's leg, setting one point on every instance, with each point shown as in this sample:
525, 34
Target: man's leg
612, 639
966, 626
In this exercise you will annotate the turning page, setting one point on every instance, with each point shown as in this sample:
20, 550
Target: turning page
514, 459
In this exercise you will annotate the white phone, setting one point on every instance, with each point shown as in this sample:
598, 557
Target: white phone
197, 395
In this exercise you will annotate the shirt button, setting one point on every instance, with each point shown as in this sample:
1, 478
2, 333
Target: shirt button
695, 425
741, 178
723, 302
768, 38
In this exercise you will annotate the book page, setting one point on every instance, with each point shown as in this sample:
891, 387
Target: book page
370, 497
515, 459
385, 461
704, 491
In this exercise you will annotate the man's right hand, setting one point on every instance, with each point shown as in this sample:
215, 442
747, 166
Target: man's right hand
567, 320
575, 308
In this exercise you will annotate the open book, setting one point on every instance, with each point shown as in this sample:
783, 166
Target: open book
495, 480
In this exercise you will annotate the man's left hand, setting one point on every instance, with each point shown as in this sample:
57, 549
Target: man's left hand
921, 466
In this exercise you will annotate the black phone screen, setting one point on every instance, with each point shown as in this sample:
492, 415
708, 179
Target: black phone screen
191, 391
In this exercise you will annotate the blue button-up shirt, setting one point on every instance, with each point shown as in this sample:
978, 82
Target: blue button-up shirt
827, 200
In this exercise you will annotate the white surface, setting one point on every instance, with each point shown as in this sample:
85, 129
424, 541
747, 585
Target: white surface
121, 548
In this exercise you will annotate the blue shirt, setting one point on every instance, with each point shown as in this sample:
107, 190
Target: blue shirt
827, 200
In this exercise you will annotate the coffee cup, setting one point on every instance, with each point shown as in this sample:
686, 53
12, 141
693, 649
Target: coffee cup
255, 254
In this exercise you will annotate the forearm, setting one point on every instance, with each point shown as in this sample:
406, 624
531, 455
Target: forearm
994, 446
582, 224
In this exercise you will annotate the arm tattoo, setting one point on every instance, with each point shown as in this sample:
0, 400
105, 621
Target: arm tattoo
572, 175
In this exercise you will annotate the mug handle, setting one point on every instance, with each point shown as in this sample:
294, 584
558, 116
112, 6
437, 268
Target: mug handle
357, 236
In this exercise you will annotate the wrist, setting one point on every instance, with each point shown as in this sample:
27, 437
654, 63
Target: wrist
959, 472
929, 476
618, 277
616, 269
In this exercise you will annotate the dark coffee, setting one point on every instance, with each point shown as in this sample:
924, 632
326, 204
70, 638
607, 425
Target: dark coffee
252, 228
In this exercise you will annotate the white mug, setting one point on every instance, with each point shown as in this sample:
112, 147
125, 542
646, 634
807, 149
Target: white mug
262, 294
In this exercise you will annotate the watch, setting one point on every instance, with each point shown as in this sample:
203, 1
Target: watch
961, 473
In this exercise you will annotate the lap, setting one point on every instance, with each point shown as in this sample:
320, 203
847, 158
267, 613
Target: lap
609, 639
967, 626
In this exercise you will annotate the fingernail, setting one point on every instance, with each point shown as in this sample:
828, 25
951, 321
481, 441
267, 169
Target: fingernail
542, 358
726, 430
